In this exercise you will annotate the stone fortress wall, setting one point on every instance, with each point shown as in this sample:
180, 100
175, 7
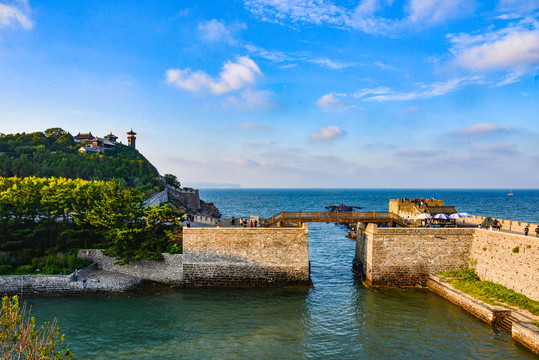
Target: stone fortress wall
246, 256
406, 256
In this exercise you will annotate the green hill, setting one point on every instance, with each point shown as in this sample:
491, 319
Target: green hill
55, 153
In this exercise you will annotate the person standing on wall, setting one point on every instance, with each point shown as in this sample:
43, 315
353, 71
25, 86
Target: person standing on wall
537, 231
526, 230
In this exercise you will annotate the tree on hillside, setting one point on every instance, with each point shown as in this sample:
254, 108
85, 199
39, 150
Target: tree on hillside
172, 180
20, 339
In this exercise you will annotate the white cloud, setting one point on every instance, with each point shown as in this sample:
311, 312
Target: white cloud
514, 49
328, 133
329, 102
234, 76
217, 31
11, 15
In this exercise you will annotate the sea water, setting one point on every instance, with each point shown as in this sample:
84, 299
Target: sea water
337, 319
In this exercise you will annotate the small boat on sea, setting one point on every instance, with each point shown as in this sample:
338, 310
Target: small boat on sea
510, 193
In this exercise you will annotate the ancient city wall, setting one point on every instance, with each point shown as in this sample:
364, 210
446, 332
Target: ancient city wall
246, 256
157, 199
507, 259
511, 225
406, 256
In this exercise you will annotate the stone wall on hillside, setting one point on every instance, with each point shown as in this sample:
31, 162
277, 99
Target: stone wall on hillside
187, 198
406, 256
507, 259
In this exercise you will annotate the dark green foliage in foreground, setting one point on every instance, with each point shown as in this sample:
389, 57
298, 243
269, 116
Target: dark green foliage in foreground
55, 153
42, 217
21, 339
489, 292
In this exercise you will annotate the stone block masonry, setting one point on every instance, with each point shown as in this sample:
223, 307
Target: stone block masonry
406, 256
246, 256
507, 259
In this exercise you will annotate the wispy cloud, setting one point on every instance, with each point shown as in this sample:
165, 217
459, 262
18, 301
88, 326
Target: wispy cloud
251, 99
416, 153
328, 133
363, 17
437, 11
234, 76
217, 31
254, 126
518, 6
280, 57
503, 149
17, 14
424, 91
330, 63
482, 129
329, 102
264, 143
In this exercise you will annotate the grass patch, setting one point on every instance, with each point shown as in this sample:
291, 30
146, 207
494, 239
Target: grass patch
536, 323
517, 249
461, 274
468, 282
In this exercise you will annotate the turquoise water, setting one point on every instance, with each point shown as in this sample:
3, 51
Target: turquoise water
337, 319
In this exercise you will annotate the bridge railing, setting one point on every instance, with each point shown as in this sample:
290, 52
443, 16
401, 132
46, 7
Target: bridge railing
332, 216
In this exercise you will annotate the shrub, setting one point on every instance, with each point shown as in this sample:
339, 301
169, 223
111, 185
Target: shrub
4, 269
62, 264
25, 269
516, 250
21, 339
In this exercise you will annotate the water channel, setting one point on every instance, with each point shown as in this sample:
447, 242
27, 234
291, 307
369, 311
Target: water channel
337, 319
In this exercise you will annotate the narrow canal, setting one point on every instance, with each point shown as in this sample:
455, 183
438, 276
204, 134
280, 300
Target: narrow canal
338, 319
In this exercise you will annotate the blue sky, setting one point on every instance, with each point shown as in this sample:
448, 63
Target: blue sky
282, 93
